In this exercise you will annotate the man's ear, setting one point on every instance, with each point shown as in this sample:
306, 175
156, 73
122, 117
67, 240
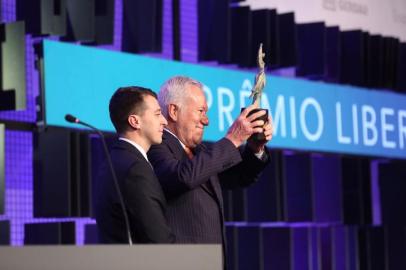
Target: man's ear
173, 112
134, 121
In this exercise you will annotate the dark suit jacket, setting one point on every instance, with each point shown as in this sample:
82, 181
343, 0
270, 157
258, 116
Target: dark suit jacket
192, 186
143, 197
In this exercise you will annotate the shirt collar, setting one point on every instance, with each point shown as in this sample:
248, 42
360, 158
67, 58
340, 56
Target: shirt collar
183, 146
139, 148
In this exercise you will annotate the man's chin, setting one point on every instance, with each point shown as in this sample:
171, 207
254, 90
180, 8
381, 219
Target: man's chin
198, 141
158, 141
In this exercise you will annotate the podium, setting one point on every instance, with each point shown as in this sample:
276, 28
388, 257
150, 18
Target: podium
117, 257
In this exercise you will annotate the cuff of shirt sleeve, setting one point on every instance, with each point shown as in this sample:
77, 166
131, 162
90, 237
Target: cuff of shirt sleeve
260, 155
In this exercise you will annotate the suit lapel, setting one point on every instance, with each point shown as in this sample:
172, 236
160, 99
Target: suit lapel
174, 145
177, 149
123, 145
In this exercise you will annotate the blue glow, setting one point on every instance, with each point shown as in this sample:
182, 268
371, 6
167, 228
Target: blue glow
307, 115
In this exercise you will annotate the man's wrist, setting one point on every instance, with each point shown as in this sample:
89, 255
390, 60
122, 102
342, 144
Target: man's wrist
234, 141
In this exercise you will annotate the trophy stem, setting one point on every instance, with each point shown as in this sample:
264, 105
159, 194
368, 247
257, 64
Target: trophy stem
256, 92
257, 102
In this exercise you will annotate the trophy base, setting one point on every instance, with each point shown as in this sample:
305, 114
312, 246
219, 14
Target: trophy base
258, 136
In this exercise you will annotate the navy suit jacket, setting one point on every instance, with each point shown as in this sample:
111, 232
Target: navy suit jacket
193, 186
143, 197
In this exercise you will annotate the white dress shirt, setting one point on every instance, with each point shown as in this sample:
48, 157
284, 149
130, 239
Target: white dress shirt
136, 146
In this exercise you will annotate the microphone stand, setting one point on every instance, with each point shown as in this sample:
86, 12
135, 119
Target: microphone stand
75, 120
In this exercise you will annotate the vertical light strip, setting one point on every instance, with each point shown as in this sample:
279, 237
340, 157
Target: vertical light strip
375, 193
2, 175
167, 46
188, 30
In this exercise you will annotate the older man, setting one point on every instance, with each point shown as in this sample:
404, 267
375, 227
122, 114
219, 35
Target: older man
191, 173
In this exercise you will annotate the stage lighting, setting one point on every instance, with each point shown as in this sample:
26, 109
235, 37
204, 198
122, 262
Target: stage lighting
12, 75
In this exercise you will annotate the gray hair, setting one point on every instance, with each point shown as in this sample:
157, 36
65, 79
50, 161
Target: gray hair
173, 91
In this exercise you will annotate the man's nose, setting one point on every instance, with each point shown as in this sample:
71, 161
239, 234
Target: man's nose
164, 122
205, 120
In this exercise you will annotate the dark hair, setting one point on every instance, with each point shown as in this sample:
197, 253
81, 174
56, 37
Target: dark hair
126, 101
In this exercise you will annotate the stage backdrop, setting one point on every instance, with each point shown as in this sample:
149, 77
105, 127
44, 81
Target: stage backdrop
307, 115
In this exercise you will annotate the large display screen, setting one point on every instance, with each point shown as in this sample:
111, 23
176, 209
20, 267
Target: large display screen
307, 115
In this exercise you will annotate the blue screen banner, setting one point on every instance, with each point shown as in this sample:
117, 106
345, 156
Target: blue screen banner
307, 115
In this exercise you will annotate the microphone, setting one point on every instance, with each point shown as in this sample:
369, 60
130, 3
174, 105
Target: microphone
72, 119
